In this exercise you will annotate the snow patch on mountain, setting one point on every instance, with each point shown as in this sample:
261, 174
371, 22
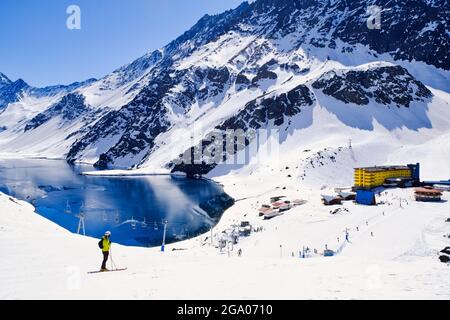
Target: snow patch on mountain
265, 47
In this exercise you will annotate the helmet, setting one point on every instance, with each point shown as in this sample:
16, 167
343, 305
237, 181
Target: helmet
108, 233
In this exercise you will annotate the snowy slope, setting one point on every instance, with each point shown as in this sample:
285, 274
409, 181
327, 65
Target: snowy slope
333, 95
43, 261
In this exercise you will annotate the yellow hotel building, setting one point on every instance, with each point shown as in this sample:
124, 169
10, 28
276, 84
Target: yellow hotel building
371, 177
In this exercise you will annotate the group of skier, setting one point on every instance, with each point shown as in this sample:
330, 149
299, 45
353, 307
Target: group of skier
105, 245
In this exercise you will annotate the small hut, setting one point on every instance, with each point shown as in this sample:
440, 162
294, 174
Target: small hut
365, 197
347, 196
441, 187
428, 194
331, 200
276, 199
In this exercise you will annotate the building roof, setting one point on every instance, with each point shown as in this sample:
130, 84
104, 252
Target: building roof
279, 204
383, 168
265, 209
329, 198
428, 191
344, 194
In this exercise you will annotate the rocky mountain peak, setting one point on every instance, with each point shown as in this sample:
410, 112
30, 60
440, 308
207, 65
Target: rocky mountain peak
265, 63
4, 80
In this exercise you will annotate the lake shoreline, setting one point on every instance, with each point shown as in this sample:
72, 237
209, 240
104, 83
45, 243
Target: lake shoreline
43, 194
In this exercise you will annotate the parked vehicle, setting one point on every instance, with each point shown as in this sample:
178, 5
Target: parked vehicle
245, 229
282, 205
272, 214
265, 209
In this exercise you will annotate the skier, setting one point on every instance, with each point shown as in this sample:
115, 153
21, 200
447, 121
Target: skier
105, 245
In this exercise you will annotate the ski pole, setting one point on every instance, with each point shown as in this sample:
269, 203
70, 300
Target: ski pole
113, 265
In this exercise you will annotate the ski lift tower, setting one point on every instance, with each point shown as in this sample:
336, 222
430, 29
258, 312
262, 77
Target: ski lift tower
81, 225
165, 222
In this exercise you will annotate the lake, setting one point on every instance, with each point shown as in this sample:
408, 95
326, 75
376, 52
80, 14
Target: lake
133, 208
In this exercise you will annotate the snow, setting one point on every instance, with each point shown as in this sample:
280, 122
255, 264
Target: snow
233, 50
26, 108
393, 247
44, 261
431, 26
215, 53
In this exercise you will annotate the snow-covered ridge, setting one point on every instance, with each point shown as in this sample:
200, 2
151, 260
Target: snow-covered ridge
333, 96
225, 61
390, 85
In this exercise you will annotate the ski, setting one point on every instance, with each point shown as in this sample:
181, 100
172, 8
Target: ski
121, 269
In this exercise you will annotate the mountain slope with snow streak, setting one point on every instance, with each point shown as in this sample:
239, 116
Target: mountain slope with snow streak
226, 61
331, 95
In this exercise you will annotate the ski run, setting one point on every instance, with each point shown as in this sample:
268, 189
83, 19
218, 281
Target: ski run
333, 97
392, 253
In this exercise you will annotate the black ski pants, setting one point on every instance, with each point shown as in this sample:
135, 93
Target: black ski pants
105, 259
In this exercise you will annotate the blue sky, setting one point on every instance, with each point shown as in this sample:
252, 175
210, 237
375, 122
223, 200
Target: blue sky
36, 45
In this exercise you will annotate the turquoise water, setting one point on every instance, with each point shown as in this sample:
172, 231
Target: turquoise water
132, 208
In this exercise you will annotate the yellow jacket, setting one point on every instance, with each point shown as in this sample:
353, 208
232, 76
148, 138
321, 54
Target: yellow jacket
106, 244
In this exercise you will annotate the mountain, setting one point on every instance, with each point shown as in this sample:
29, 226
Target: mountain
268, 64
4, 81
12, 92
70, 107
390, 85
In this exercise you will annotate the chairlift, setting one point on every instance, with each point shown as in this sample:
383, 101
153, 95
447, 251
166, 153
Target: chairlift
81, 213
155, 227
68, 209
185, 232
144, 224
105, 216
117, 217
133, 223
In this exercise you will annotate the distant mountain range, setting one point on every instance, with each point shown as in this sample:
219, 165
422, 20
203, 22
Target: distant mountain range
263, 64
11, 92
